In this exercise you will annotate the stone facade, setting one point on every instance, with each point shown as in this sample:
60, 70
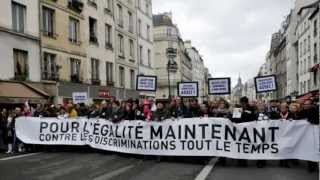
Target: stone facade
167, 35
145, 49
19, 44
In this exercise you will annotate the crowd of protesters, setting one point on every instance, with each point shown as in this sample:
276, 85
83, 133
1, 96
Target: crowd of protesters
148, 110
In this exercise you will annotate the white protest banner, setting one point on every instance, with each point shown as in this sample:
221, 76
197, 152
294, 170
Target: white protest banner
146, 83
80, 97
265, 83
219, 86
188, 89
276, 139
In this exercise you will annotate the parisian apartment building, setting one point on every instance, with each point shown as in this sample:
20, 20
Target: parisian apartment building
294, 53
167, 36
52, 48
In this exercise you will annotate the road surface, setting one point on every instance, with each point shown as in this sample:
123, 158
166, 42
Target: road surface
113, 166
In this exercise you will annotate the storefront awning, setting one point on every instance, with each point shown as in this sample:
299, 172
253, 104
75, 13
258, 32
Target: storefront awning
315, 68
19, 92
309, 96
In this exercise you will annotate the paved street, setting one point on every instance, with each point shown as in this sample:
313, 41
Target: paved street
101, 166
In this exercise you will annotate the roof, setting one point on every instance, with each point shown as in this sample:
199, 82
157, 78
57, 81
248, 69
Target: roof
312, 5
162, 19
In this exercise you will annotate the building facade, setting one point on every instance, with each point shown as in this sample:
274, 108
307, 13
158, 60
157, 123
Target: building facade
308, 37
167, 35
198, 69
145, 49
249, 90
126, 61
20, 40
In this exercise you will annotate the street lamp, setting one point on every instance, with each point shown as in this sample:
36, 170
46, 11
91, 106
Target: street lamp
172, 66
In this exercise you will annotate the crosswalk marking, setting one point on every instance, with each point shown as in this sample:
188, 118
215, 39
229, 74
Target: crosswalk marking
207, 169
114, 173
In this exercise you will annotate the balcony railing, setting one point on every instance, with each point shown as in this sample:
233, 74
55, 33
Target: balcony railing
21, 77
165, 36
93, 38
75, 78
110, 83
95, 82
50, 76
109, 45
49, 34
76, 5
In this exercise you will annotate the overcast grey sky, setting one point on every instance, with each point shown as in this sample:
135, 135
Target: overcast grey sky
232, 35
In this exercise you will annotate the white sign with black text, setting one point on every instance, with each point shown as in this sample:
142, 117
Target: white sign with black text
219, 86
80, 97
265, 83
188, 89
146, 83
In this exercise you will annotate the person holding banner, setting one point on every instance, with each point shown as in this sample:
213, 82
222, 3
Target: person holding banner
195, 108
261, 115
117, 113
247, 115
222, 110
161, 113
311, 113
72, 112
295, 113
129, 113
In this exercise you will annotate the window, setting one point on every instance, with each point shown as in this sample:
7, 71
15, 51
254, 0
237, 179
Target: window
149, 57
169, 32
20, 58
94, 70
139, 3
304, 46
120, 16
121, 76
109, 72
132, 79
315, 48
148, 32
315, 78
131, 48
108, 4
130, 22
141, 54
304, 66
300, 49
75, 65
147, 7
309, 43
48, 21
121, 44
73, 30
93, 3
108, 29
139, 27
18, 17
315, 28
93, 30
49, 67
